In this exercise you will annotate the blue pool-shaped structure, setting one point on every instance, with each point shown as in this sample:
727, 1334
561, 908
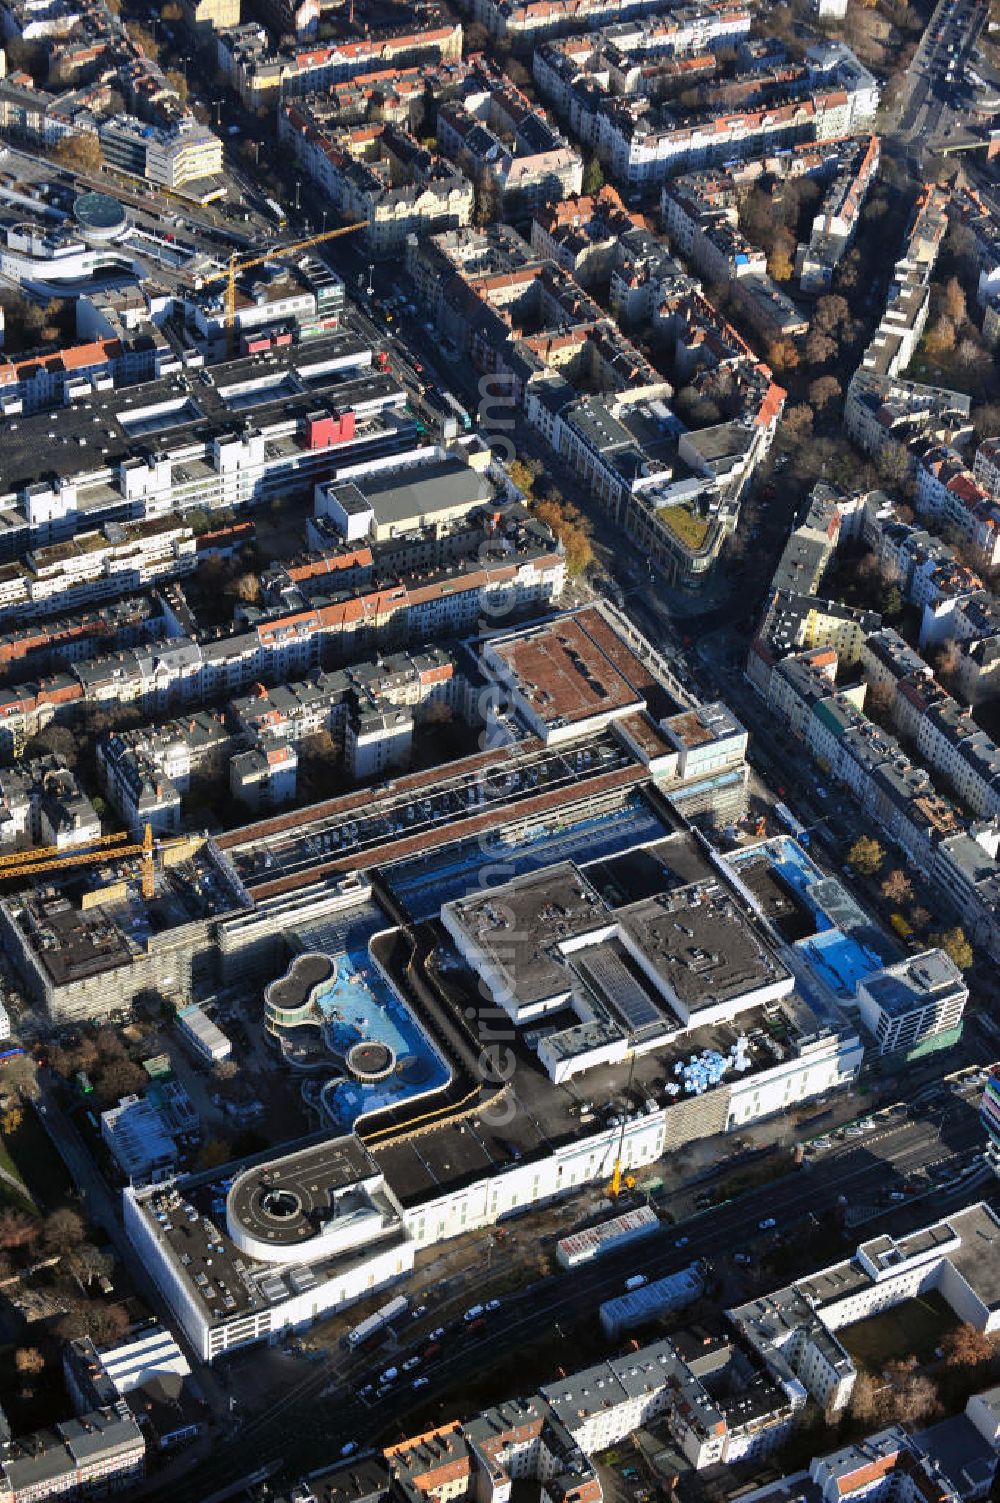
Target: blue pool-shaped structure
383, 1055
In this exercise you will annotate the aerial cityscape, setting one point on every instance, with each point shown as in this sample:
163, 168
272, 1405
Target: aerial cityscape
500, 751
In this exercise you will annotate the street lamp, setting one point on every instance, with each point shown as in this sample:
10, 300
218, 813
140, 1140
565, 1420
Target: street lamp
370, 289
298, 185
324, 221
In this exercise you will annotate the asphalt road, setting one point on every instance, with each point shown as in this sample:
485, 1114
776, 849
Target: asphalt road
930, 112
312, 1418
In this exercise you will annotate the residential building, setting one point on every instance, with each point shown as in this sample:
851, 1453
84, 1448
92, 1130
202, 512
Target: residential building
794, 1329
379, 175
918, 997
139, 1140
42, 804
497, 137
262, 74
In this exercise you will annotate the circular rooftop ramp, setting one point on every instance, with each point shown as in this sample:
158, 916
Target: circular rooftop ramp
100, 216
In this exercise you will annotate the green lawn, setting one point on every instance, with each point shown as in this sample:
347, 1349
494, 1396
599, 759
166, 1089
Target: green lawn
29, 1154
8, 1195
914, 1328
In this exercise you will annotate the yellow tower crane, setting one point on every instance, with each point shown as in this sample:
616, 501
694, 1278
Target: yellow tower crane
51, 858
236, 264
617, 1179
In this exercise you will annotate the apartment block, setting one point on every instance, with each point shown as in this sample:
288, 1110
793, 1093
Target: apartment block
832, 95
835, 225
497, 137
907, 305
378, 174
262, 74
42, 804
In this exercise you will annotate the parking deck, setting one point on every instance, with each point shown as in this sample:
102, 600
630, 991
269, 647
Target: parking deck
418, 813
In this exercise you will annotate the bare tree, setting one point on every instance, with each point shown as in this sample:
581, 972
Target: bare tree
118, 1078
81, 153
897, 887
870, 1400
437, 712
953, 302
63, 1230
214, 1153
914, 1396
247, 588
823, 391
109, 1046
818, 348
832, 314
948, 662
29, 1360
879, 701
17, 1229
965, 1347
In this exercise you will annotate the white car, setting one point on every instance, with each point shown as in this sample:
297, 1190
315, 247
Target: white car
492, 1305
421, 1382
349, 1449
767, 1225
437, 1335
410, 1364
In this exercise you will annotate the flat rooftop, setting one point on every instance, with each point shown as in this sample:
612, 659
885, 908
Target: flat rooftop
650, 870
646, 735
71, 942
547, 1117
189, 1217
424, 811
976, 1257
516, 927
182, 409
778, 899
397, 496
703, 948
564, 675
292, 990
914, 982
703, 726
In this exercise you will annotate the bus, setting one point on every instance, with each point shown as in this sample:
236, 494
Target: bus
276, 212
455, 407
791, 824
